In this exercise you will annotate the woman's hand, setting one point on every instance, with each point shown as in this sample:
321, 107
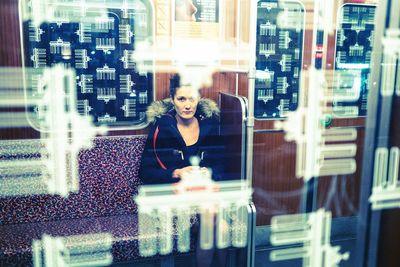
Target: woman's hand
178, 173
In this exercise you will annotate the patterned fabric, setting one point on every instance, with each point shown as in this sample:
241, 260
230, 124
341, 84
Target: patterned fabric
108, 180
16, 240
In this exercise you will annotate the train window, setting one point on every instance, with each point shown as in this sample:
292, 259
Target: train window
279, 54
98, 41
354, 40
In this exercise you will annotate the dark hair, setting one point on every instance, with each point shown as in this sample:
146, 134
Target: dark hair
174, 83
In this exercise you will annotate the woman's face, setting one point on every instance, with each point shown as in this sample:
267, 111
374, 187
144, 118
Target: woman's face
186, 100
185, 10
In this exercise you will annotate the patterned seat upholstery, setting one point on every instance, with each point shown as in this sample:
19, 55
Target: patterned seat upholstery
108, 181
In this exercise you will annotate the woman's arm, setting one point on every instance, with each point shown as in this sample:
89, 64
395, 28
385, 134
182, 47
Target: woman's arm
150, 171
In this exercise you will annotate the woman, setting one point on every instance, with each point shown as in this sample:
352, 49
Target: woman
183, 126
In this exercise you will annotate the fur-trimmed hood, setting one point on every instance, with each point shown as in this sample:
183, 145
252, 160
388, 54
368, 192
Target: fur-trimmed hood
206, 108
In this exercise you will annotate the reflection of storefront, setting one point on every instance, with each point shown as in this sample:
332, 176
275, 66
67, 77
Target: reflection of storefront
207, 10
196, 18
196, 10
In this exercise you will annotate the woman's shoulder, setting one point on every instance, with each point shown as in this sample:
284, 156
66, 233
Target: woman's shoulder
208, 110
159, 110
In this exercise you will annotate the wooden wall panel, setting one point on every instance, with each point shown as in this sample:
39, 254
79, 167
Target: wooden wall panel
340, 194
276, 189
10, 56
10, 53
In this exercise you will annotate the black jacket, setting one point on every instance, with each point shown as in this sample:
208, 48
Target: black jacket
165, 148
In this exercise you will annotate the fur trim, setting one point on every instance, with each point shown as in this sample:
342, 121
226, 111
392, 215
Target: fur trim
158, 108
206, 108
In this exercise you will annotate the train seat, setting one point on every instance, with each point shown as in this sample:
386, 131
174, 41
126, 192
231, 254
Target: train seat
108, 181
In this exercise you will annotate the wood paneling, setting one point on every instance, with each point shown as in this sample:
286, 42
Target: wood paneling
340, 194
10, 52
276, 189
10, 56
